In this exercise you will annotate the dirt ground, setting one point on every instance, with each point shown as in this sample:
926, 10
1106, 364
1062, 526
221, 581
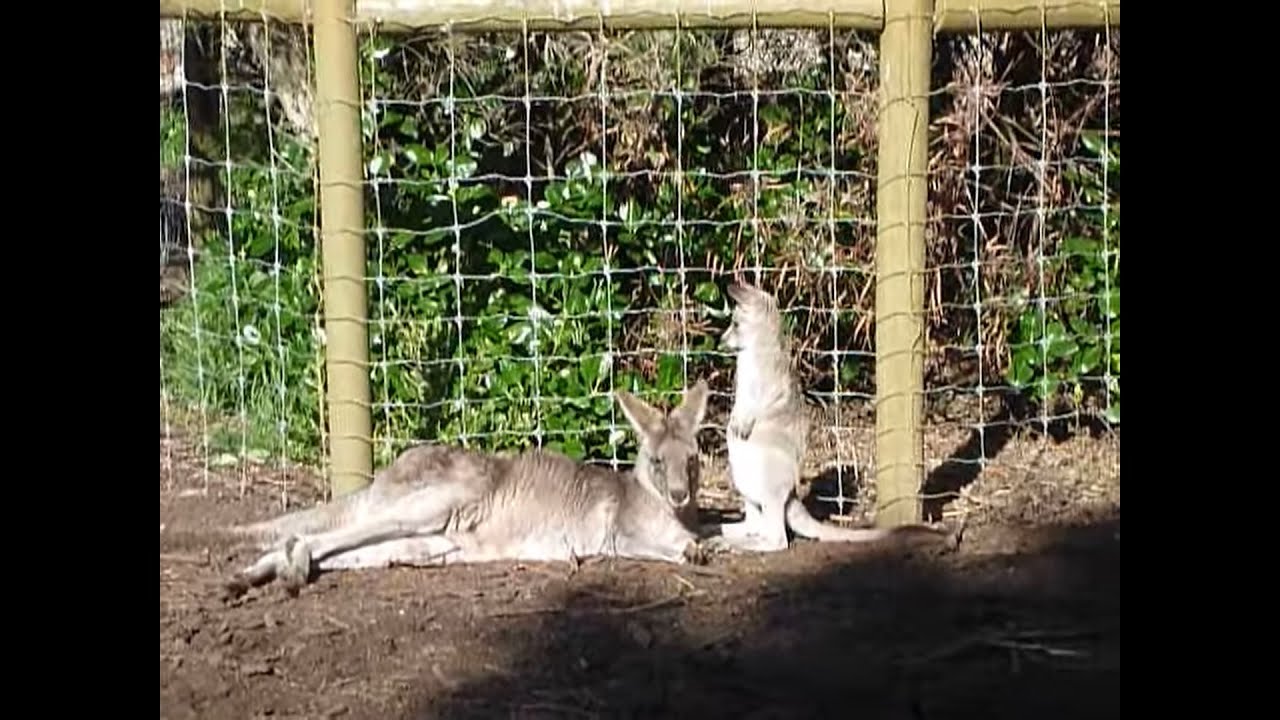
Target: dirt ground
1022, 621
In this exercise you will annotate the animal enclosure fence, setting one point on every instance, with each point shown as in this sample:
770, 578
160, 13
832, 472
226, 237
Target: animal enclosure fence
471, 221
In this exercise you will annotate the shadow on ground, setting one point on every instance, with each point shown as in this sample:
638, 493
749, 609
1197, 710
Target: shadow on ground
1016, 625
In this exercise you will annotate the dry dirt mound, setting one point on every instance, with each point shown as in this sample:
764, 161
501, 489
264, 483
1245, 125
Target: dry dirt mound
1022, 622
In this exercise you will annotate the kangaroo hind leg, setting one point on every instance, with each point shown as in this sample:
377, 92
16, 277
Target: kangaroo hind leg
749, 525
764, 524
424, 512
767, 533
417, 551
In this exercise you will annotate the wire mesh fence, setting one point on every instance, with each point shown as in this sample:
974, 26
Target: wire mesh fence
552, 216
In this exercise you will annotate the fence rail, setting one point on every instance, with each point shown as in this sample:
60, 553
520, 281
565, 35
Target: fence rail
486, 15
907, 29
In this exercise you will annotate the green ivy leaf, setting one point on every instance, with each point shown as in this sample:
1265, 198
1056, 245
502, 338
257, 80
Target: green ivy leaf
589, 370
1082, 246
1081, 327
1092, 140
1086, 361
573, 447
1023, 366
669, 371
1113, 413
1062, 347
602, 405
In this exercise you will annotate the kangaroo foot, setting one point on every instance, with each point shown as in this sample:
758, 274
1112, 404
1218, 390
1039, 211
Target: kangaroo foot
717, 545
260, 573
295, 568
235, 586
695, 553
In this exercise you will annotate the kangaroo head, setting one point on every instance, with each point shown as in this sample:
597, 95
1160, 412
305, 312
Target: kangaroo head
755, 318
667, 465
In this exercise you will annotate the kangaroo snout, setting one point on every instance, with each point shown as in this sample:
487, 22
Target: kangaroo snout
679, 498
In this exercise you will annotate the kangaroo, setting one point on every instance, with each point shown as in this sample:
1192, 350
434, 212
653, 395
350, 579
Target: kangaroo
768, 433
438, 504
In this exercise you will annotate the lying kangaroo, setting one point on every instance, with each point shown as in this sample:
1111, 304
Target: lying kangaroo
768, 433
438, 504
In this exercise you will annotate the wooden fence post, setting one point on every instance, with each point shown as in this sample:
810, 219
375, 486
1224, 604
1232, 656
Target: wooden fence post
342, 235
906, 49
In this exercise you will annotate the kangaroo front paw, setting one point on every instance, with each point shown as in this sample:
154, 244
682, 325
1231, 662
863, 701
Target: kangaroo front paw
296, 568
716, 545
746, 542
693, 553
741, 429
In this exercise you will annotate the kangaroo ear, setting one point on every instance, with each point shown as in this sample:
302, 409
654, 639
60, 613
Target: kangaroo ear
693, 408
753, 298
644, 419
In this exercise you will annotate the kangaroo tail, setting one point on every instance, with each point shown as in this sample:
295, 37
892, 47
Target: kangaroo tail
302, 522
806, 525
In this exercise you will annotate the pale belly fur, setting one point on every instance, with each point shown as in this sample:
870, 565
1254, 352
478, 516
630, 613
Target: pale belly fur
753, 467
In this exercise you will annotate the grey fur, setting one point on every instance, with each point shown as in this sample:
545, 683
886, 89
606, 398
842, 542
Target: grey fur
440, 504
768, 433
